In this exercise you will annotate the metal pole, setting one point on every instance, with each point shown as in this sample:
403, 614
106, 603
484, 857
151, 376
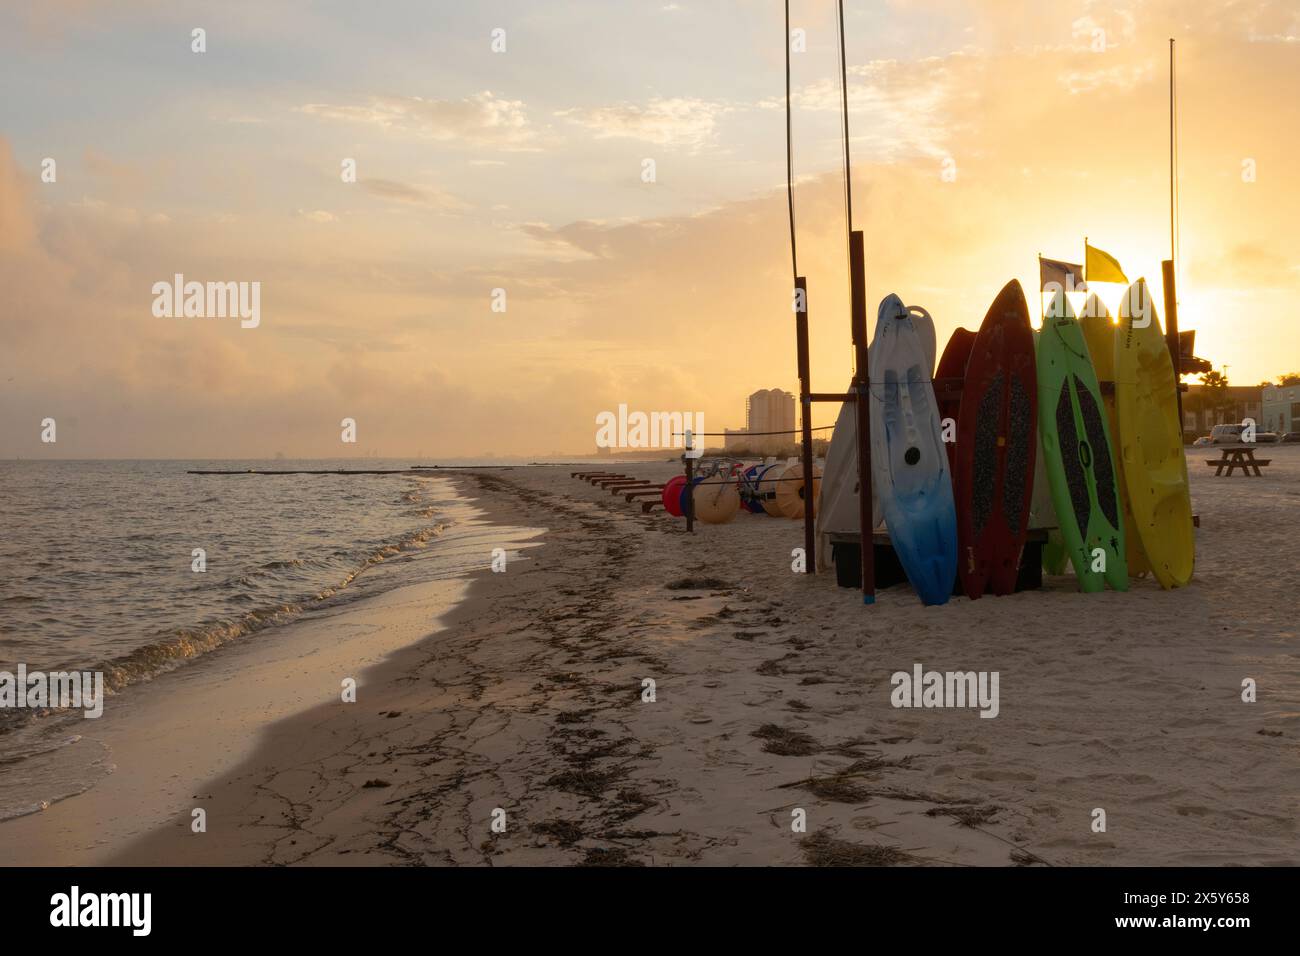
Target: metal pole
1173, 173
862, 385
805, 406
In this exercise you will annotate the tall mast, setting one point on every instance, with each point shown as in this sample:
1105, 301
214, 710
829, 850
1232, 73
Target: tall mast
1173, 146
858, 329
789, 147
844, 104
1168, 267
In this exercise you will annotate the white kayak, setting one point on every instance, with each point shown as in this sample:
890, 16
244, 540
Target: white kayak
837, 511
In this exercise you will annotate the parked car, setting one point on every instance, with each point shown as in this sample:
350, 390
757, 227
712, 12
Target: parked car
1203, 440
1291, 438
1231, 435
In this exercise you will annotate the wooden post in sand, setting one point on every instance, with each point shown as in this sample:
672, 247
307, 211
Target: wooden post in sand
1171, 336
859, 392
805, 411
689, 491
862, 385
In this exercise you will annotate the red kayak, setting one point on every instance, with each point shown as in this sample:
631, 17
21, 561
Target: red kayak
952, 364
993, 463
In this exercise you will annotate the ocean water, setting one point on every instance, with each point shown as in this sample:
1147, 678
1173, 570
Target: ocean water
96, 574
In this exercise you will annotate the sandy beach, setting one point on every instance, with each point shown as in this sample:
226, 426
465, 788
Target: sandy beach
771, 695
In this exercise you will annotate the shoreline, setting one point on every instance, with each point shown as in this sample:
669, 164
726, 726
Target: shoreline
259, 800
165, 740
772, 695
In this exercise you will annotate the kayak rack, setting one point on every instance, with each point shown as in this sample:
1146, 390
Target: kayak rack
860, 387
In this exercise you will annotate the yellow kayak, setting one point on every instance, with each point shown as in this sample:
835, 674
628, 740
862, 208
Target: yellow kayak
1099, 332
1151, 441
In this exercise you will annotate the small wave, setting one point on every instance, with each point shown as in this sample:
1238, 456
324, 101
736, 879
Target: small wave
151, 660
269, 570
38, 749
145, 663
281, 565
48, 781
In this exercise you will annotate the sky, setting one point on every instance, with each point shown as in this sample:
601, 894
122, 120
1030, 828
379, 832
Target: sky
982, 133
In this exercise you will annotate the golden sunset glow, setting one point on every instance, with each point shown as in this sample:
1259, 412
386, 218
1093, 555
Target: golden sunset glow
522, 171
613, 434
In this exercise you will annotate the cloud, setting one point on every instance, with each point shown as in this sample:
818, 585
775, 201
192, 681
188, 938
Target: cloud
1121, 78
51, 21
1252, 265
1117, 24
677, 122
898, 108
658, 299
318, 215
120, 174
17, 227
416, 195
578, 240
483, 119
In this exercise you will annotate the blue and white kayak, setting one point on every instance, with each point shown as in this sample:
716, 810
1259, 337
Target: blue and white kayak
909, 464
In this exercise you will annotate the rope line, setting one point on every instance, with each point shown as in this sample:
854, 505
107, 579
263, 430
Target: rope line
819, 428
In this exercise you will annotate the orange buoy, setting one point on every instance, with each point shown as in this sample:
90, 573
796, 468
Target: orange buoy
717, 499
790, 494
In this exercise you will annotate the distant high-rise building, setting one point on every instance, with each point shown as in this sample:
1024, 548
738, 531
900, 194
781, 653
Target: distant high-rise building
767, 410
770, 410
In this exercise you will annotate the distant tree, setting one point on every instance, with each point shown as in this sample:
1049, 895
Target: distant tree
1290, 378
780, 451
1216, 396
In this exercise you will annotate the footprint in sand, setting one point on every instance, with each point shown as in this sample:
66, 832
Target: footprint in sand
998, 775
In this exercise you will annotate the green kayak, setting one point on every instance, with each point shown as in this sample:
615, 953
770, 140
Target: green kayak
1077, 446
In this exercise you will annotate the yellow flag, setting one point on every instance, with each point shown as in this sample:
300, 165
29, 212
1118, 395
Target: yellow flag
1102, 266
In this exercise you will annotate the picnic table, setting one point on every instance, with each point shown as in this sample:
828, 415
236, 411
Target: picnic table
1243, 457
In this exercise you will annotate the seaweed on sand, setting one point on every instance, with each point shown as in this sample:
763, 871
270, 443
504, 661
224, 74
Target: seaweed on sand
786, 742
821, 849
